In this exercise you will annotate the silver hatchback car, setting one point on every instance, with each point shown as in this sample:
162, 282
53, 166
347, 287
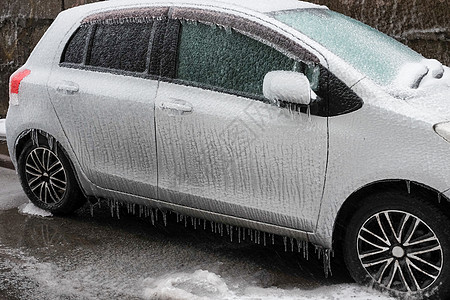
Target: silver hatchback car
281, 117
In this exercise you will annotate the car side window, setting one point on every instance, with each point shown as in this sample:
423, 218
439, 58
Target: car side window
75, 49
122, 46
212, 56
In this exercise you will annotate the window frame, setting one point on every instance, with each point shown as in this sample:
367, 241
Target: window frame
240, 25
270, 38
156, 16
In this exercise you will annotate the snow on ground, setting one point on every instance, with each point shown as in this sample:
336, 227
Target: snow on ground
11, 193
31, 209
115, 273
92, 282
2, 128
204, 285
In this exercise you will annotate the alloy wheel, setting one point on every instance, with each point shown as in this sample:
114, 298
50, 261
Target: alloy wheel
400, 251
45, 175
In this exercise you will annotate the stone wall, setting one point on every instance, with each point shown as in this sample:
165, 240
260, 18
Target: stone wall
422, 25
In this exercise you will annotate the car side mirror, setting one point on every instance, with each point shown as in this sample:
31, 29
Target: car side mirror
292, 87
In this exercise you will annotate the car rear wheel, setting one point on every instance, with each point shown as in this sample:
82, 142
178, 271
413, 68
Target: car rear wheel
400, 243
48, 179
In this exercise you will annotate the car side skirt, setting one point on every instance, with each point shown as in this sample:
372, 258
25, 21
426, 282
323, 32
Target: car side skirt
125, 198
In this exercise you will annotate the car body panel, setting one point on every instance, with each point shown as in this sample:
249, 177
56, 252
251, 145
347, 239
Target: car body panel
386, 140
247, 158
110, 126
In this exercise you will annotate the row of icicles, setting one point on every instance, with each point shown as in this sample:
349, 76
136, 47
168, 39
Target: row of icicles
242, 234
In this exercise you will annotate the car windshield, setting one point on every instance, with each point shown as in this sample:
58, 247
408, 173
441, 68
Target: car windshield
371, 52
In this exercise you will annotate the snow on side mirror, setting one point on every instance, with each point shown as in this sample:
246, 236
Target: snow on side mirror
292, 87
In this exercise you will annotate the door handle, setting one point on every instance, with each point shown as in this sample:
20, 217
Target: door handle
67, 87
177, 105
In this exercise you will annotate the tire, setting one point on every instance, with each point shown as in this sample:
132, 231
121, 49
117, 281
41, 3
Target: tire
47, 178
413, 260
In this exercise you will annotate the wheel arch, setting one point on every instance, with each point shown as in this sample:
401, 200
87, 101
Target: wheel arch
356, 199
27, 136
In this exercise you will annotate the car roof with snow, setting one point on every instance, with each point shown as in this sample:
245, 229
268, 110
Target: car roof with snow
264, 6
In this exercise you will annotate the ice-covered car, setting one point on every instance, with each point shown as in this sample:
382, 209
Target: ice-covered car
279, 116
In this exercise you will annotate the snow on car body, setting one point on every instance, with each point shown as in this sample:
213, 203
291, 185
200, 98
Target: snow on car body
169, 130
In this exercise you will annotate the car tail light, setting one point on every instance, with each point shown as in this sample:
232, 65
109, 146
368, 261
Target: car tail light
14, 84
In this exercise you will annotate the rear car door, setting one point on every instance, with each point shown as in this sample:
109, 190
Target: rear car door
222, 147
104, 93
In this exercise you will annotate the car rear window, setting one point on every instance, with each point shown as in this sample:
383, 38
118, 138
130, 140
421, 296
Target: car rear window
121, 46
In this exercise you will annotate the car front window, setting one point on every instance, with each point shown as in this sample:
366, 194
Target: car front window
371, 52
225, 59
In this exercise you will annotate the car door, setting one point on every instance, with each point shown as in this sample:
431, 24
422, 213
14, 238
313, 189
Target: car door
104, 94
222, 147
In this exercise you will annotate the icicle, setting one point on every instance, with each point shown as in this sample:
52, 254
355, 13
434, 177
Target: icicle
35, 137
292, 244
251, 234
318, 251
408, 186
239, 235
306, 250
92, 210
221, 229
156, 214
273, 239
258, 236
231, 233
212, 226
164, 218
111, 205
285, 243
50, 142
152, 216
204, 224
327, 262
264, 239
439, 198
118, 210
308, 112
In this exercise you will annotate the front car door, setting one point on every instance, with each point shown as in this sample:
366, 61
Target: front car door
223, 147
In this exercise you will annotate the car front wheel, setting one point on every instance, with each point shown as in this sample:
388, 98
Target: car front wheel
400, 243
48, 179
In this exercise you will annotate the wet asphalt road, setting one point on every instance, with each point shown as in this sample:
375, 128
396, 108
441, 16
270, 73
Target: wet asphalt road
101, 257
